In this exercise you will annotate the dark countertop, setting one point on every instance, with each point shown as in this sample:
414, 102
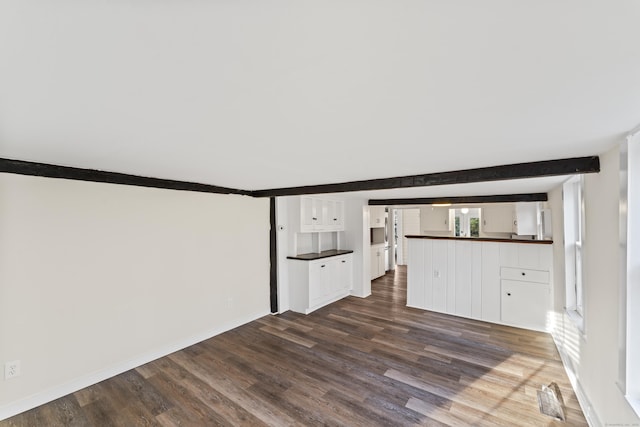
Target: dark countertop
481, 239
324, 254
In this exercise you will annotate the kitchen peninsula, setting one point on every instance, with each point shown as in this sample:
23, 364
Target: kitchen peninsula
496, 280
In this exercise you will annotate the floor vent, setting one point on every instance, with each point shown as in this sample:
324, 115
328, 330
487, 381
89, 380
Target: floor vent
550, 401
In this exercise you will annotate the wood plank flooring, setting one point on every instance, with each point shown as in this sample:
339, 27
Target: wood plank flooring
357, 362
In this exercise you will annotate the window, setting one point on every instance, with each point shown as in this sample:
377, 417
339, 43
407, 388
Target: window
629, 375
574, 226
467, 222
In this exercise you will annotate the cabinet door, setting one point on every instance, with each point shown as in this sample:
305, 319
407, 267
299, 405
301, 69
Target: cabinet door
497, 218
307, 214
338, 215
525, 304
334, 218
374, 263
434, 219
377, 262
376, 216
526, 219
315, 283
381, 263
320, 214
345, 274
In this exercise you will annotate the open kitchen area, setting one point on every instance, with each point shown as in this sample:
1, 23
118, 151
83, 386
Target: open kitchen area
485, 261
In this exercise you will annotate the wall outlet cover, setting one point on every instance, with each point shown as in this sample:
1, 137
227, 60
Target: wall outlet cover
11, 369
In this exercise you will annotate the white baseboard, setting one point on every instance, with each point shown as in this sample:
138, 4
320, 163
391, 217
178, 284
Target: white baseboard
56, 392
583, 400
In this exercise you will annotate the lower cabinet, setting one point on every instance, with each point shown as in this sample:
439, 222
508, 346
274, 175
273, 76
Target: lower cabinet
526, 296
522, 303
377, 261
506, 283
314, 284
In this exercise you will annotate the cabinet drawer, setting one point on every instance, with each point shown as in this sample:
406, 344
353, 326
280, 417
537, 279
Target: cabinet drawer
524, 275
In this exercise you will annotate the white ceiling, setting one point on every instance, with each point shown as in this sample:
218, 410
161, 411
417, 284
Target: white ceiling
266, 94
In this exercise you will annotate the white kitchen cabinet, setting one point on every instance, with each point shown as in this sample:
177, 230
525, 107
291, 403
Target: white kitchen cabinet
316, 283
334, 218
376, 216
525, 304
526, 272
525, 219
434, 219
345, 275
497, 218
377, 261
317, 214
506, 283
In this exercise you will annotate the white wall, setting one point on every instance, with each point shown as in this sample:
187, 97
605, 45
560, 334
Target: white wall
593, 357
98, 278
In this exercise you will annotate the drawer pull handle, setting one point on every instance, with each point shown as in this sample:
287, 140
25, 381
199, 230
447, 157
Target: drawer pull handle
508, 294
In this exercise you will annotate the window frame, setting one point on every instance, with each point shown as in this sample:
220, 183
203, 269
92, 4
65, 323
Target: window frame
629, 328
574, 243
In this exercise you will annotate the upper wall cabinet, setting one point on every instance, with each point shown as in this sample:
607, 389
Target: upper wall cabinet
525, 219
376, 216
434, 219
497, 218
318, 214
519, 218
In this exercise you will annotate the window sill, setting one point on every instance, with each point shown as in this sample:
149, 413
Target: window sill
577, 320
635, 404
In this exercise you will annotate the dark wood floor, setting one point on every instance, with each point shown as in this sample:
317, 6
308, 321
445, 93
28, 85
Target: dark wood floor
357, 362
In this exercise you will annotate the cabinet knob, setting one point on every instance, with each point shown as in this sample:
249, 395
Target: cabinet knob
524, 274
323, 266
335, 219
508, 294
315, 219
343, 261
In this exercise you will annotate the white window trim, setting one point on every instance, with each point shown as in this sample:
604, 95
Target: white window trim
574, 237
629, 338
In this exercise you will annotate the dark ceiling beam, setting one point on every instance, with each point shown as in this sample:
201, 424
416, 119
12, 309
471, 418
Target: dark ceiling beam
79, 174
499, 198
577, 165
571, 166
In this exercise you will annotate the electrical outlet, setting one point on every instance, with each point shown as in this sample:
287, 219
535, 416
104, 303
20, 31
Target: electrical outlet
11, 369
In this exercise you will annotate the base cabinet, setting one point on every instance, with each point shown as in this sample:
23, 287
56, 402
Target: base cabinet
377, 262
523, 304
314, 284
506, 283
